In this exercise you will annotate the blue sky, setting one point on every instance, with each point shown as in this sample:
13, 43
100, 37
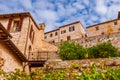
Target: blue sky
55, 13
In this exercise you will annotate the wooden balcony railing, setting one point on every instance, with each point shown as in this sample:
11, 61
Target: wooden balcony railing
40, 56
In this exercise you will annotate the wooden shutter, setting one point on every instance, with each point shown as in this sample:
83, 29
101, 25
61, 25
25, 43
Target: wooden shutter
9, 24
20, 23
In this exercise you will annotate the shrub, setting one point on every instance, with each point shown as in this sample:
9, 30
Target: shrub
16, 75
76, 72
103, 50
70, 50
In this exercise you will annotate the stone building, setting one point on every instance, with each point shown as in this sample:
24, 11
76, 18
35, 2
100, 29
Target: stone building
104, 28
70, 31
10, 56
28, 37
30, 47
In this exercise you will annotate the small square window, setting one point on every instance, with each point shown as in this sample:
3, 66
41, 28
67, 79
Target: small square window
64, 31
56, 33
97, 28
119, 29
71, 28
45, 37
53, 41
115, 23
85, 35
102, 33
51, 35
15, 26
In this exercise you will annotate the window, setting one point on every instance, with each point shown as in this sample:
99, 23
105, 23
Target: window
102, 33
115, 23
51, 35
85, 35
53, 41
31, 36
56, 33
64, 31
68, 38
71, 28
97, 28
29, 49
119, 29
15, 26
45, 37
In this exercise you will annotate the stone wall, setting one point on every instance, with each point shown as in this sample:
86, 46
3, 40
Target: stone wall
11, 62
107, 27
59, 64
78, 32
91, 41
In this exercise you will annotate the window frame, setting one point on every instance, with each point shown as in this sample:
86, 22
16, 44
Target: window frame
16, 27
97, 28
31, 34
115, 22
45, 37
72, 28
51, 35
56, 33
63, 31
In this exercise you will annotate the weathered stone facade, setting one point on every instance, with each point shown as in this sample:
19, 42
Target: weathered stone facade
67, 32
92, 41
11, 62
107, 27
27, 36
59, 64
95, 34
10, 56
30, 36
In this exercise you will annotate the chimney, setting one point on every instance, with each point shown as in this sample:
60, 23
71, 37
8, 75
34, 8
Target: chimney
42, 28
118, 15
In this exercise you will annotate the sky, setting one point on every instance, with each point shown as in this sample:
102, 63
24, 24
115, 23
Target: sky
55, 13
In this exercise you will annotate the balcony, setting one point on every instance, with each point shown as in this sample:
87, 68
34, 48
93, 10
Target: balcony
37, 59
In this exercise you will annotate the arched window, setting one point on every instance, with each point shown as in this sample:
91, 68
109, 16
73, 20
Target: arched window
32, 33
29, 49
56, 33
51, 35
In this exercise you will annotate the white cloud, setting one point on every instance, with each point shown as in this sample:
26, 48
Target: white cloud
78, 5
55, 13
26, 3
3, 7
113, 11
86, 2
100, 7
43, 4
61, 10
93, 18
47, 15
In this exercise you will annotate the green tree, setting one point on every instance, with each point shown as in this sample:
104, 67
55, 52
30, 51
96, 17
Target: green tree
104, 50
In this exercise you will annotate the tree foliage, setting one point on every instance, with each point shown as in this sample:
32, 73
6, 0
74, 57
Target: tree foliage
70, 50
